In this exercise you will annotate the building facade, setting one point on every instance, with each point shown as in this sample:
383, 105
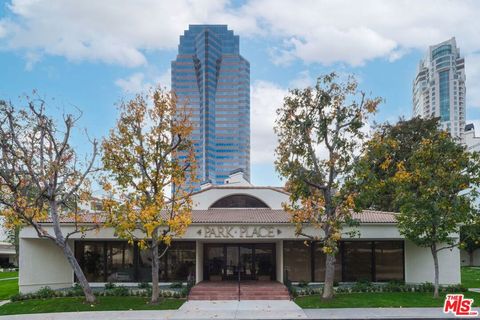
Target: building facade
238, 232
212, 79
471, 140
439, 87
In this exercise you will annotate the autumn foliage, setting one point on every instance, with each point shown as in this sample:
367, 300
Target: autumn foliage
149, 163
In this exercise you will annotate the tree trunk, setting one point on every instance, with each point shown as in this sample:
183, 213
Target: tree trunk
155, 269
435, 263
329, 277
67, 251
82, 280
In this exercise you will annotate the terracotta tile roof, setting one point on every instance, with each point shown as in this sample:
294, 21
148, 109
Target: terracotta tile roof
251, 215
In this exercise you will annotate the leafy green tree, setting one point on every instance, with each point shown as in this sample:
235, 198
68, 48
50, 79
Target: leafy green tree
432, 184
319, 129
399, 141
470, 240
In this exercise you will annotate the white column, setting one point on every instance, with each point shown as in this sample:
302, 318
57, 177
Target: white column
279, 260
199, 262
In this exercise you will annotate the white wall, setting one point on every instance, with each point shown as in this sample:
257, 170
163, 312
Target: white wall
419, 265
42, 264
272, 198
465, 258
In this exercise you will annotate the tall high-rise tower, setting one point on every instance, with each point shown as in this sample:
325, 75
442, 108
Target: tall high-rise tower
212, 79
439, 87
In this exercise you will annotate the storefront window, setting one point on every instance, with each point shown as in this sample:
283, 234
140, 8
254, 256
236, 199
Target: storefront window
90, 255
357, 263
180, 261
264, 261
214, 257
389, 260
120, 266
319, 264
297, 261
117, 261
144, 266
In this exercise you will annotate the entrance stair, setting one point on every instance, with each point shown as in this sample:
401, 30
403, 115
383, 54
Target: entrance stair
229, 290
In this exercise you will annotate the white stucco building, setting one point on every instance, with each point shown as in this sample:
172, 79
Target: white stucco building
238, 231
472, 141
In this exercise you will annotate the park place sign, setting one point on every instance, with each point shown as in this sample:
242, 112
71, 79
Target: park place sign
235, 232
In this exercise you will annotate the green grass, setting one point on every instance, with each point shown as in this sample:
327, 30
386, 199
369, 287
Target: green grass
8, 288
471, 277
75, 304
379, 300
8, 274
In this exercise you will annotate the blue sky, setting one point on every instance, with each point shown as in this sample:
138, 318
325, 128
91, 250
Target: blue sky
91, 54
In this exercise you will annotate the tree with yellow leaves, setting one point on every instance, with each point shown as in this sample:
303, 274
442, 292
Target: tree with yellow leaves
319, 129
150, 162
42, 179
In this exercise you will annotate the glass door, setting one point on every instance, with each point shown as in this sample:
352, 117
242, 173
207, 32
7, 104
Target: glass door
231, 262
246, 265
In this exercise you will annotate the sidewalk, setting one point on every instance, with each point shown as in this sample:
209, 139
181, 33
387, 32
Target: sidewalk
245, 310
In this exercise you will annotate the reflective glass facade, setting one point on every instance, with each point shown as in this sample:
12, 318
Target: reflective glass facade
356, 260
212, 79
118, 261
439, 88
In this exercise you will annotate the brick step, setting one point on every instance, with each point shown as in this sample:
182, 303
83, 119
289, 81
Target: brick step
215, 298
264, 298
213, 289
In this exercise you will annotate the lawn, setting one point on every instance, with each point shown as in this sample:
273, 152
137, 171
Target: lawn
471, 277
377, 300
9, 274
75, 304
8, 288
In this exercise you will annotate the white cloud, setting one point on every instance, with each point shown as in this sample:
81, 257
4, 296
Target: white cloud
472, 70
109, 31
347, 31
266, 97
141, 82
354, 32
133, 84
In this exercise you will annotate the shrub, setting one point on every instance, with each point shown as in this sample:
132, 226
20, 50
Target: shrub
362, 286
144, 285
45, 292
303, 284
120, 291
109, 285
176, 285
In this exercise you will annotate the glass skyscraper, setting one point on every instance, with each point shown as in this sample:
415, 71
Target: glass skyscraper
212, 79
439, 87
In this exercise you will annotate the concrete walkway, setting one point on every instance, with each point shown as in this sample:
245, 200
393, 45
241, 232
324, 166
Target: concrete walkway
12, 278
244, 310
380, 313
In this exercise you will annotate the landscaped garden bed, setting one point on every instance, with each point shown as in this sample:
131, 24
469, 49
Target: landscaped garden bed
380, 300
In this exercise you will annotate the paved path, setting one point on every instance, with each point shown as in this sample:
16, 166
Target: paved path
12, 278
244, 310
379, 313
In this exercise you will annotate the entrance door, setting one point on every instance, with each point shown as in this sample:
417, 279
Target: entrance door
239, 261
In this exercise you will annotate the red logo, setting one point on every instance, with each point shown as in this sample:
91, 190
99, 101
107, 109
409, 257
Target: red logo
459, 306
